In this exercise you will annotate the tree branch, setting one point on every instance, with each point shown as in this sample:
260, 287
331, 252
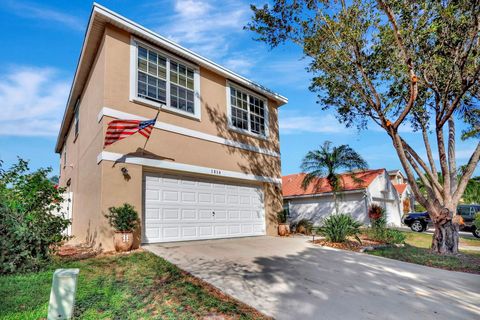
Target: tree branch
428, 148
408, 61
443, 164
472, 164
452, 163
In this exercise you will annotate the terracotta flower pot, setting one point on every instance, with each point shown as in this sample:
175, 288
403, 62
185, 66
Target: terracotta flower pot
123, 241
283, 229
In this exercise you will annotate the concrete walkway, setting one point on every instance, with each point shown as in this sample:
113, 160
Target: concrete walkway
289, 278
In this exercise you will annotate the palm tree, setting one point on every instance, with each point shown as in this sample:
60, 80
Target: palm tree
327, 162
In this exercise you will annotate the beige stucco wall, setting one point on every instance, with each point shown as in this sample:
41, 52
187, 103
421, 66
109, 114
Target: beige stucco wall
81, 166
97, 187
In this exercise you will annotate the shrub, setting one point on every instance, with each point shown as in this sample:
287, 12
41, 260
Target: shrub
476, 222
124, 218
385, 235
337, 227
282, 216
29, 229
304, 226
377, 216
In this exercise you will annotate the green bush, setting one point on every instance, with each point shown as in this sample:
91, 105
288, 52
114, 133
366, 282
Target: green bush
304, 226
124, 218
337, 227
385, 235
29, 228
476, 222
282, 216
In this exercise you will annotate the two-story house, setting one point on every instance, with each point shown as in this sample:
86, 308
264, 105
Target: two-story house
211, 168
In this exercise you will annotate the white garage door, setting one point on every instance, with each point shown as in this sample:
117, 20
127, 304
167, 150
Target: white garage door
180, 209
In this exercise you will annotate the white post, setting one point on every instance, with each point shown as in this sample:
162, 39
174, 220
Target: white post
62, 295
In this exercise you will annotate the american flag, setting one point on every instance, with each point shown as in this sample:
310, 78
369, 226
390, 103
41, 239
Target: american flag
119, 129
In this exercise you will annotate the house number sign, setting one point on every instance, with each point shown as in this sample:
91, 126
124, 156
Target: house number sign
216, 171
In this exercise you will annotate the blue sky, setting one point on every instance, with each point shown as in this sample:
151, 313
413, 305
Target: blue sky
41, 42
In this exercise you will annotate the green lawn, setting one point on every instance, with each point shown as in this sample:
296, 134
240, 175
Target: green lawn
424, 240
135, 286
416, 250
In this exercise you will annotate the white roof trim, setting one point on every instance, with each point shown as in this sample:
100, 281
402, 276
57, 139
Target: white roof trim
202, 61
141, 31
324, 194
171, 165
109, 112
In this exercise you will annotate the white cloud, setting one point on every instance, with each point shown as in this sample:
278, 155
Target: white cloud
34, 11
240, 65
32, 101
292, 124
204, 26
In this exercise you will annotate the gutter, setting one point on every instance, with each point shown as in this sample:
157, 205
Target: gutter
318, 195
135, 28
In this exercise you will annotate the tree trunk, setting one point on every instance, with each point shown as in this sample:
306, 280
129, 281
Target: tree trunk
445, 238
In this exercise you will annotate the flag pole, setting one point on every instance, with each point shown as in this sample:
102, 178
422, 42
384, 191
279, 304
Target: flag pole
145, 145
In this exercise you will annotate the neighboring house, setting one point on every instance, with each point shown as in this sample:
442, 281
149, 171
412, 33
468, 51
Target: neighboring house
397, 177
406, 196
404, 190
359, 192
211, 168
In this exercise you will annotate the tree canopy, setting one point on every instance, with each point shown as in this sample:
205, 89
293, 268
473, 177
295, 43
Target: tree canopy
396, 64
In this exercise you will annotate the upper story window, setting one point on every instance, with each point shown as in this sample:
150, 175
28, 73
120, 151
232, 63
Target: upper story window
247, 112
165, 82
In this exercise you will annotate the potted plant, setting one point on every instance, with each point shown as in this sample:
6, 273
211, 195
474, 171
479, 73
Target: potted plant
124, 220
283, 226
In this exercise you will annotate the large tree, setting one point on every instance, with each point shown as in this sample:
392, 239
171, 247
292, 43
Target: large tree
395, 63
327, 162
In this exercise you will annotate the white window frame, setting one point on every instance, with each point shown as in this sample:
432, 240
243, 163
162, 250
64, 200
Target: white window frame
134, 43
64, 155
249, 93
76, 119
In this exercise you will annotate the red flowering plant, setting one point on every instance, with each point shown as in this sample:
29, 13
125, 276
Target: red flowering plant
377, 216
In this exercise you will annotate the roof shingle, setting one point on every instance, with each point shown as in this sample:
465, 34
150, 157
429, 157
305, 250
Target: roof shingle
292, 184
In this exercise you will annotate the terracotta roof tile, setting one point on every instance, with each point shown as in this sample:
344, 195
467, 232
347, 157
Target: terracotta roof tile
400, 187
292, 184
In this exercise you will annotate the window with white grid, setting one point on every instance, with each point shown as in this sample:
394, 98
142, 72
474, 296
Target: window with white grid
166, 81
181, 87
152, 75
247, 112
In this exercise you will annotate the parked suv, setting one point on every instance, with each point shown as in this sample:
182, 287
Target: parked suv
419, 221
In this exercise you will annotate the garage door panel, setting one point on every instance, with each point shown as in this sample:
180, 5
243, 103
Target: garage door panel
205, 231
189, 214
169, 196
205, 198
220, 215
205, 215
152, 213
152, 195
170, 214
189, 197
219, 198
179, 209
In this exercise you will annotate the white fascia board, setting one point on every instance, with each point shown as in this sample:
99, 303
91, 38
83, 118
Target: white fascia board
109, 112
325, 194
170, 165
148, 34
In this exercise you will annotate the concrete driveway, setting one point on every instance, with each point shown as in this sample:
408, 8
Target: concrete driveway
289, 278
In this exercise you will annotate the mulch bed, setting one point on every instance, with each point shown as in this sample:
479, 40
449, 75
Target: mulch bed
76, 252
351, 245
